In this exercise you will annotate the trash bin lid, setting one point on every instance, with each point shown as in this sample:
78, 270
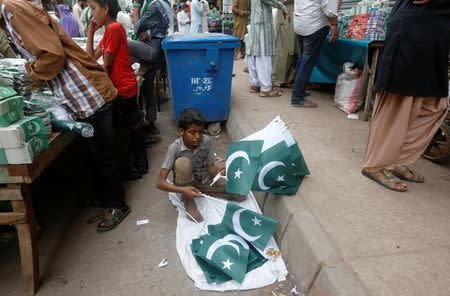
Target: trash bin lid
200, 40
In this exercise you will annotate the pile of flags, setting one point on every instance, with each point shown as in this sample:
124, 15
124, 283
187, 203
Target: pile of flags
268, 160
235, 246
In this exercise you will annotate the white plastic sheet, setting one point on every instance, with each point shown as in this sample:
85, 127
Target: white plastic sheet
212, 211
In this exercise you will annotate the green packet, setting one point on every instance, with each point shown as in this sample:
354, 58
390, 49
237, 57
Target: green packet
6, 92
11, 110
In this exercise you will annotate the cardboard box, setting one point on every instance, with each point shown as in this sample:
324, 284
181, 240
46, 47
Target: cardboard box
26, 154
11, 110
17, 134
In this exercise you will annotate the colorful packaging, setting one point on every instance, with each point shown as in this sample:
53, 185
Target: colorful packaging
6, 92
17, 134
11, 110
26, 154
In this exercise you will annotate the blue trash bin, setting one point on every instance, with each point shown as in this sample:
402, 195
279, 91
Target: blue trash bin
200, 68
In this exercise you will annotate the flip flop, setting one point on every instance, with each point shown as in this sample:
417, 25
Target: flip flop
270, 94
386, 179
407, 174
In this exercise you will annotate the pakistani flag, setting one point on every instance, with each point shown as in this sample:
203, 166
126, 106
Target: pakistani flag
253, 227
275, 170
255, 259
222, 259
241, 165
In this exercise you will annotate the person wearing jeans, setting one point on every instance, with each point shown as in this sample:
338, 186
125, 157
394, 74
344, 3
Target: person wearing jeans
313, 20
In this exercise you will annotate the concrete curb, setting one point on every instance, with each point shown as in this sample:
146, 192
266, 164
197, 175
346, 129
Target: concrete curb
312, 259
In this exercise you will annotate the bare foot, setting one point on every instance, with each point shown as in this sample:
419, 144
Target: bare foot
234, 197
191, 208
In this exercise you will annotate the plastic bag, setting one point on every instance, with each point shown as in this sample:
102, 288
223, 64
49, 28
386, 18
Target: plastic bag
347, 95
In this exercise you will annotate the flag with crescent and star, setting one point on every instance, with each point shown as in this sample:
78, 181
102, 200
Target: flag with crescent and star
241, 164
275, 170
221, 257
281, 166
253, 227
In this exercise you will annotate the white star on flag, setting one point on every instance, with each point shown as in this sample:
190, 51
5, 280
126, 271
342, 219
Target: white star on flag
280, 178
227, 264
256, 221
237, 174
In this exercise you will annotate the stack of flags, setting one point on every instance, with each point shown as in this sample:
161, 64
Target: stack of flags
269, 160
235, 246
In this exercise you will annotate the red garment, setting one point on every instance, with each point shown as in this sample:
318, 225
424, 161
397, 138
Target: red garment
114, 42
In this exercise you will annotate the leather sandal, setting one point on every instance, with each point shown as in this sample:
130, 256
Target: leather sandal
407, 174
386, 179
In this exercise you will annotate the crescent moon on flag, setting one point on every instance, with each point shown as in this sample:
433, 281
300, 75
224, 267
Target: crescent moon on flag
37, 128
271, 165
235, 155
238, 228
220, 243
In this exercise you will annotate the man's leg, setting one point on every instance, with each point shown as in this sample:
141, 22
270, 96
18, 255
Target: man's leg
183, 176
102, 150
427, 115
310, 48
264, 70
251, 64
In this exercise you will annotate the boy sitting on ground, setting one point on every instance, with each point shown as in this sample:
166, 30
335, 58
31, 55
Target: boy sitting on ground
191, 158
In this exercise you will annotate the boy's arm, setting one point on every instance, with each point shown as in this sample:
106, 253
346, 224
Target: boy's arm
90, 41
162, 184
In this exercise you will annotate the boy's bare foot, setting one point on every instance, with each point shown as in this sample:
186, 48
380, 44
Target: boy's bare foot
191, 208
233, 197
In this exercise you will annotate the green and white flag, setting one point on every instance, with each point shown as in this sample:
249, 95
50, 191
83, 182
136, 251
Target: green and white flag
221, 258
275, 160
241, 164
255, 259
253, 227
275, 169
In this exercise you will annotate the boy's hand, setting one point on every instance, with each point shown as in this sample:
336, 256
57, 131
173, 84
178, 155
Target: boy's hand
191, 192
93, 26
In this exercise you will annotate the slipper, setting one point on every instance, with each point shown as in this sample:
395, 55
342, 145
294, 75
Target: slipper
386, 179
96, 218
112, 218
407, 174
254, 89
270, 94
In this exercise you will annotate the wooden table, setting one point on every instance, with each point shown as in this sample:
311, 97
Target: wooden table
375, 47
15, 181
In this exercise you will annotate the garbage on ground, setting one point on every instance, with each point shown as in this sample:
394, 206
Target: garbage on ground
163, 263
142, 222
353, 116
295, 291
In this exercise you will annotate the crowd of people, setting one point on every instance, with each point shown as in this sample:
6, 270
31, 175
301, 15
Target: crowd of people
407, 110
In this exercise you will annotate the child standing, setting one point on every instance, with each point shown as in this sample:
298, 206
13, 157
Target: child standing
116, 60
191, 158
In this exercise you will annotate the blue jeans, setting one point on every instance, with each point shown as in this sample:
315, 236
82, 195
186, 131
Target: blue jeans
309, 52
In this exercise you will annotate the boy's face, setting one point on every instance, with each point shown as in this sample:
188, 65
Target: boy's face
99, 13
192, 136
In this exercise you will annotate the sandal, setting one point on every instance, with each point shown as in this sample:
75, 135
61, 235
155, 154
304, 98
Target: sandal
112, 218
387, 179
270, 94
254, 89
407, 174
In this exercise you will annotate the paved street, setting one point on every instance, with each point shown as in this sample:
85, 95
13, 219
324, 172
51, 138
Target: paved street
390, 243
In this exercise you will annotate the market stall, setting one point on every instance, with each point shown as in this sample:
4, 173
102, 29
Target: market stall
362, 29
30, 118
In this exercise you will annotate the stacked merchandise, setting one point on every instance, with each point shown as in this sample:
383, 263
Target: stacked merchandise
13, 73
365, 21
21, 138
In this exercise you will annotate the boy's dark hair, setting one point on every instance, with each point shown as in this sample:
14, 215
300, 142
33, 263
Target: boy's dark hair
113, 7
191, 116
